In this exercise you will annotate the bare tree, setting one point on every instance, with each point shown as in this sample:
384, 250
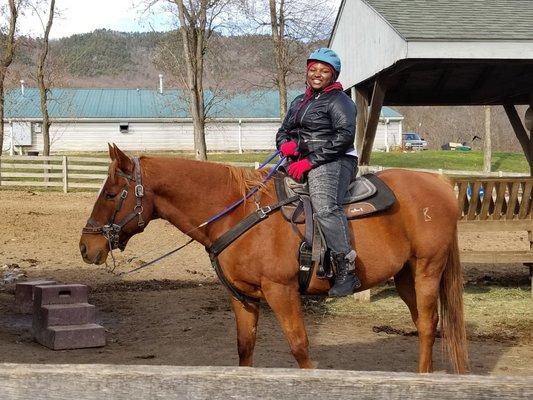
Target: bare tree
43, 86
219, 76
295, 27
277, 23
8, 50
196, 24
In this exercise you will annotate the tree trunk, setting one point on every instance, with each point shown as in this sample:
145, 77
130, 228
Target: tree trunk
43, 90
487, 145
277, 23
7, 58
193, 31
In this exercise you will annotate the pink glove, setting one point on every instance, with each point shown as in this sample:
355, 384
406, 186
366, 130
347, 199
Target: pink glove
299, 168
289, 148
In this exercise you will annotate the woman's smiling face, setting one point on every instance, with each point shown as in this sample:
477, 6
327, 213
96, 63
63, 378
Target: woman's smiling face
319, 75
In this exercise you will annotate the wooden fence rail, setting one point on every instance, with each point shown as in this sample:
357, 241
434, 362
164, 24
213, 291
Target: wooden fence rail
77, 381
70, 172
53, 171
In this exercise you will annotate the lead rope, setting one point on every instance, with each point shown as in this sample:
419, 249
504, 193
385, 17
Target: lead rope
212, 219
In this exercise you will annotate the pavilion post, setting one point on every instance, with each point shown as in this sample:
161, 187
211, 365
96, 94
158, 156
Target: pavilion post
526, 141
376, 103
361, 103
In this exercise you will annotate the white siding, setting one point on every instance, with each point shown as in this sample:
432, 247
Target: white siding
94, 136
365, 42
143, 136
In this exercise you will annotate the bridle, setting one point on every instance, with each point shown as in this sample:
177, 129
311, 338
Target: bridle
111, 231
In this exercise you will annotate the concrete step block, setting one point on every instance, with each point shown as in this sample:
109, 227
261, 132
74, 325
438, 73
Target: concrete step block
64, 314
24, 293
63, 337
59, 294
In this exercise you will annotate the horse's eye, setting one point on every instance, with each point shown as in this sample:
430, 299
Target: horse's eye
109, 196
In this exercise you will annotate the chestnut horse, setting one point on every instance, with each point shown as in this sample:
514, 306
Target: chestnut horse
415, 242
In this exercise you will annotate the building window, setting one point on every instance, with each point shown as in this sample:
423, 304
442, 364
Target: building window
124, 127
37, 127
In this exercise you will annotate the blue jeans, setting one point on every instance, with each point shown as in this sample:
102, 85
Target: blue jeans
328, 184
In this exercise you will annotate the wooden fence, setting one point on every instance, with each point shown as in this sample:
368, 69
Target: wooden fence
54, 172
496, 205
77, 381
70, 172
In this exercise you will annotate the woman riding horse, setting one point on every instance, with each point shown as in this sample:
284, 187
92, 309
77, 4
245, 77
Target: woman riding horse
318, 135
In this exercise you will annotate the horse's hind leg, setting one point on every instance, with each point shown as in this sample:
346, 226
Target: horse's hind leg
427, 274
405, 286
285, 302
246, 316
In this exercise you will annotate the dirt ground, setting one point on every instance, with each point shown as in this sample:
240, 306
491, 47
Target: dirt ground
177, 313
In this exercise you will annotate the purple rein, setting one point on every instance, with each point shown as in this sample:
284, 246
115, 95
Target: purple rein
253, 191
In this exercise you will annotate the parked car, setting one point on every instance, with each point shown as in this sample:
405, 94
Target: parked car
413, 141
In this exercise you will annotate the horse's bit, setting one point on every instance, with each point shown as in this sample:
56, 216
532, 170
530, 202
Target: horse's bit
111, 230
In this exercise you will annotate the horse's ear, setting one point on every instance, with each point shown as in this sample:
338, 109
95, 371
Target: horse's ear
111, 152
124, 163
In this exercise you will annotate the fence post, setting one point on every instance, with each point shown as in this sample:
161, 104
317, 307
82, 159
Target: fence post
65, 174
240, 136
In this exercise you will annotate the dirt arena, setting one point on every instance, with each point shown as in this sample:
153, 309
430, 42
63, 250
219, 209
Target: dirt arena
177, 313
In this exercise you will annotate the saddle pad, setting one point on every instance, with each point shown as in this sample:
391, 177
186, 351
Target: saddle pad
359, 189
376, 194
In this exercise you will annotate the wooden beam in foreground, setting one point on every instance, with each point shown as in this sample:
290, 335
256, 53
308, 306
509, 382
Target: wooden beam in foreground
77, 381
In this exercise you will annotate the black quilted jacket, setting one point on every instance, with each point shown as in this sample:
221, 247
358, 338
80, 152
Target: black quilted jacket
324, 128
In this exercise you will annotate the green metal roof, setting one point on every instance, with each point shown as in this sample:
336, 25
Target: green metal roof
142, 103
458, 19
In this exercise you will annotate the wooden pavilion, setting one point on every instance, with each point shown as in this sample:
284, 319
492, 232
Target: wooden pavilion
439, 52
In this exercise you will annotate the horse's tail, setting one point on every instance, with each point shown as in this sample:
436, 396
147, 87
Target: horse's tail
452, 311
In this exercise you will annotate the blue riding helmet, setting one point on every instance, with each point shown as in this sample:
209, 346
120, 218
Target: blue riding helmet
328, 56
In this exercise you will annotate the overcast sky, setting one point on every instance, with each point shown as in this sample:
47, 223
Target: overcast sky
80, 16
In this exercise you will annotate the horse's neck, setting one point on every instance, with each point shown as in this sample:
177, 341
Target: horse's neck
187, 193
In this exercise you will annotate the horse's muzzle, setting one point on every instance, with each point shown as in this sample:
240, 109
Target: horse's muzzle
95, 257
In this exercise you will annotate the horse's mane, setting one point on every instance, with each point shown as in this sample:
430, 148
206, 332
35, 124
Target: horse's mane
245, 179
240, 179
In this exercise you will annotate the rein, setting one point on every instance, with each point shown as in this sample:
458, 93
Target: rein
111, 230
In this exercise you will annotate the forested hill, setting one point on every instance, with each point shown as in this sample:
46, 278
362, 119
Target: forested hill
105, 58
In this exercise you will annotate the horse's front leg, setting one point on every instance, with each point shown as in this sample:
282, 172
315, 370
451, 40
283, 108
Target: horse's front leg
286, 304
246, 315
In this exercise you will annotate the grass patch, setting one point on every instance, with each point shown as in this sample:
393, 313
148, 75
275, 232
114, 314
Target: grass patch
492, 312
452, 160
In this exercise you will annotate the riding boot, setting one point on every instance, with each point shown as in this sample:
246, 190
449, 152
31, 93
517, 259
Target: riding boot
346, 281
